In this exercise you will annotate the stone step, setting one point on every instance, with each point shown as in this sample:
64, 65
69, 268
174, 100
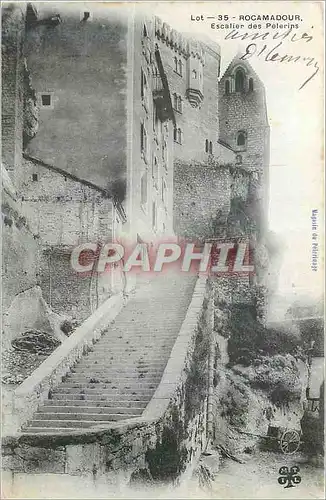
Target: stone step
132, 357
49, 430
132, 348
106, 379
105, 392
87, 364
93, 403
73, 423
90, 409
107, 397
101, 386
84, 416
159, 336
129, 371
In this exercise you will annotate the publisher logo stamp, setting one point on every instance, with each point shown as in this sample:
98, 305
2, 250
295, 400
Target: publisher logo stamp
289, 478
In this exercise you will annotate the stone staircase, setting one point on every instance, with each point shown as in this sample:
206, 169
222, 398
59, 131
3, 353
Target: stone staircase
117, 378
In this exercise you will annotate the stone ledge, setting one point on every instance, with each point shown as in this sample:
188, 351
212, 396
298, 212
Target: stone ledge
34, 390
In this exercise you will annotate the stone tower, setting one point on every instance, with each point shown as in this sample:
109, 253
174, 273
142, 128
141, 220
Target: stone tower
243, 126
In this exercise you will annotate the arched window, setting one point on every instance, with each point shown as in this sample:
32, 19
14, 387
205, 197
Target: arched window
238, 159
194, 74
206, 146
180, 67
227, 87
179, 136
239, 80
251, 85
176, 65
241, 139
210, 147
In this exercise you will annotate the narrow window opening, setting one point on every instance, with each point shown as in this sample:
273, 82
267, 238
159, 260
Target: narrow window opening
241, 139
227, 87
35, 177
239, 81
206, 146
210, 147
251, 85
144, 31
194, 74
180, 67
46, 99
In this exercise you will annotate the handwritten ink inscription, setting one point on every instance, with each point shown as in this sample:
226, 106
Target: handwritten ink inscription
289, 478
270, 51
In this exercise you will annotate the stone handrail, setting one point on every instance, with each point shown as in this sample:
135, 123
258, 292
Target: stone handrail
35, 389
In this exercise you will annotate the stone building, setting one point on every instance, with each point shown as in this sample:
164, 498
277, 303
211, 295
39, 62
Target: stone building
117, 128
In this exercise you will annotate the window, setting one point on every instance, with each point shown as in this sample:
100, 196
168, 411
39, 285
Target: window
86, 16
227, 87
238, 159
178, 66
241, 139
177, 135
163, 191
177, 102
194, 74
210, 147
143, 189
154, 215
179, 108
46, 100
206, 146
239, 80
164, 151
143, 139
34, 177
143, 86
145, 31
251, 85
155, 169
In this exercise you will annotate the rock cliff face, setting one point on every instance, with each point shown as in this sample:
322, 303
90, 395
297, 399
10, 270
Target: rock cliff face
260, 377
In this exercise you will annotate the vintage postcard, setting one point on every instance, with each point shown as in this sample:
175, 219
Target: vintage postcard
162, 250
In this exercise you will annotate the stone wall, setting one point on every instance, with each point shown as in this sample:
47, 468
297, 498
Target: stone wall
65, 212
20, 255
202, 195
83, 128
12, 30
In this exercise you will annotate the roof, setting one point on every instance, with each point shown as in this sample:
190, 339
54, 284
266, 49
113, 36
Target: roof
237, 60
